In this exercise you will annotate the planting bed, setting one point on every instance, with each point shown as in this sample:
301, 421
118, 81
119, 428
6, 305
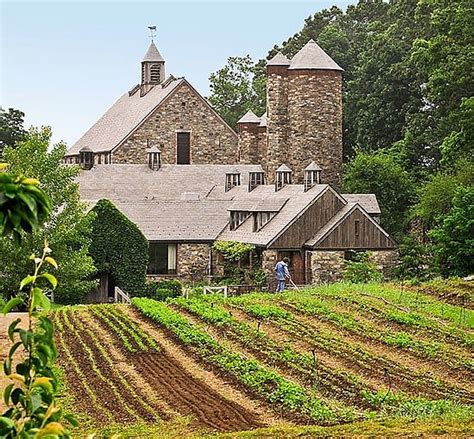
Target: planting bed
330, 356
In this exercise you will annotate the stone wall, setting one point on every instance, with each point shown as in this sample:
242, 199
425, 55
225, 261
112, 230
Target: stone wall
193, 261
277, 119
315, 123
269, 260
212, 141
326, 266
385, 260
248, 143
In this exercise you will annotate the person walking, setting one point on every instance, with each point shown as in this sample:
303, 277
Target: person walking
282, 273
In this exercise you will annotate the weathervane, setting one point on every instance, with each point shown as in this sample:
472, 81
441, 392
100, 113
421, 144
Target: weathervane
152, 32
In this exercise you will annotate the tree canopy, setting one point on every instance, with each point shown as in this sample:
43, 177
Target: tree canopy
11, 128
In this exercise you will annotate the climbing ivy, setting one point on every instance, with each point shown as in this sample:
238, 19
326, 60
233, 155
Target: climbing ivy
119, 248
233, 251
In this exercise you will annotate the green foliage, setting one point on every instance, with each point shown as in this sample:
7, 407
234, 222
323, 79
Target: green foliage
119, 248
412, 260
361, 270
163, 289
67, 229
11, 128
381, 174
23, 206
235, 89
233, 251
454, 237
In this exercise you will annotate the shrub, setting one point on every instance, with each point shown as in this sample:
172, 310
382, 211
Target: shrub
163, 289
361, 270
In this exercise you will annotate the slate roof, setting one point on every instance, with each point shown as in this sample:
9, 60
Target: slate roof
279, 60
249, 117
311, 56
118, 122
367, 201
153, 54
139, 183
263, 120
313, 167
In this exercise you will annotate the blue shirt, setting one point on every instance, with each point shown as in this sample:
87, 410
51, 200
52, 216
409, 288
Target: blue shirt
281, 271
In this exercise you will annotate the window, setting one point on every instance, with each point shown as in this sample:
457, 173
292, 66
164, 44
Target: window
183, 144
155, 73
231, 180
356, 227
260, 219
237, 218
255, 179
353, 255
162, 258
99, 159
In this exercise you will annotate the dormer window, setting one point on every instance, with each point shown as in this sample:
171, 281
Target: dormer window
155, 71
312, 176
237, 218
260, 219
256, 179
283, 177
232, 179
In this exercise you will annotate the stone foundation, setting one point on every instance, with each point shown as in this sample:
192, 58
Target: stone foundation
385, 260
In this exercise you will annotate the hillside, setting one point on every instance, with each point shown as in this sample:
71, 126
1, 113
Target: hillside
329, 360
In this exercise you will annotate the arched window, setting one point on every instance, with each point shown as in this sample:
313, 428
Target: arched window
155, 73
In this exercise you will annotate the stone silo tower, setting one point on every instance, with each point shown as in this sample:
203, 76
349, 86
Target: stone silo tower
314, 115
277, 114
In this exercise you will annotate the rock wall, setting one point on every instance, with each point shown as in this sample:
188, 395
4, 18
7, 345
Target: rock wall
315, 123
212, 141
385, 260
248, 143
193, 261
269, 259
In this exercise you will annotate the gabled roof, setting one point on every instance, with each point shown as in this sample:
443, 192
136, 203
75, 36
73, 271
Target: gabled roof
121, 119
249, 117
153, 54
283, 168
279, 60
263, 120
337, 219
128, 113
368, 202
312, 57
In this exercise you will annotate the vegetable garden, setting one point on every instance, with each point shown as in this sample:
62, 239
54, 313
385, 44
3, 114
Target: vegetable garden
328, 356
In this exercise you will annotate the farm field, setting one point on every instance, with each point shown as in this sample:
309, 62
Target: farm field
337, 360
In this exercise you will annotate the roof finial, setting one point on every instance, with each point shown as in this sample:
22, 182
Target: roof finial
152, 32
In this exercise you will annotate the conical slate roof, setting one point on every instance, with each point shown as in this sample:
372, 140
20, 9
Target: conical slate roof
249, 117
312, 167
284, 168
263, 120
153, 54
152, 150
279, 60
312, 57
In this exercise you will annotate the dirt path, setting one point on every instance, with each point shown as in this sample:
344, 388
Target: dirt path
5, 345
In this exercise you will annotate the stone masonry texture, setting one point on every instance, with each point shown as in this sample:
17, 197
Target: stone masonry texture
212, 141
193, 261
315, 123
248, 143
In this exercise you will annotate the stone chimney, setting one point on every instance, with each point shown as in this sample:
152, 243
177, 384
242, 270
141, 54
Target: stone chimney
86, 158
282, 177
154, 158
248, 138
232, 179
312, 176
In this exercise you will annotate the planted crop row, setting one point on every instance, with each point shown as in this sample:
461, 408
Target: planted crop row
94, 361
106, 358
266, 383
352, 355
313, 306
131, 336
330, 382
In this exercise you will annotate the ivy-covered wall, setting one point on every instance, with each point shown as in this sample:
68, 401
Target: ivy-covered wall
119, 248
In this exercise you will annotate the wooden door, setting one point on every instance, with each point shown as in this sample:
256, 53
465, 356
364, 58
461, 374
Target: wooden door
183, 145
296, 265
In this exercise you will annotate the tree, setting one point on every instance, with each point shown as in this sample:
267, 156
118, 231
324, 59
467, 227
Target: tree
68, 228
119, 248
454, 237
235, 89
11, 128
381, 174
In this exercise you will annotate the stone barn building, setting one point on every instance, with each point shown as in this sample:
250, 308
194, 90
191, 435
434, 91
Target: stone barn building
173, 166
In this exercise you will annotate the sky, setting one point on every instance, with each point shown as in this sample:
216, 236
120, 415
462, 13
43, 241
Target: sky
63, 63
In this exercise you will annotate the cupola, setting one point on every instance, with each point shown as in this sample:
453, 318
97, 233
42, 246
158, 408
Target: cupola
312, 176
153, 69
154, 158
282, 177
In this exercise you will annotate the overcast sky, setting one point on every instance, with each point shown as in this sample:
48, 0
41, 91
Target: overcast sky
64, 63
